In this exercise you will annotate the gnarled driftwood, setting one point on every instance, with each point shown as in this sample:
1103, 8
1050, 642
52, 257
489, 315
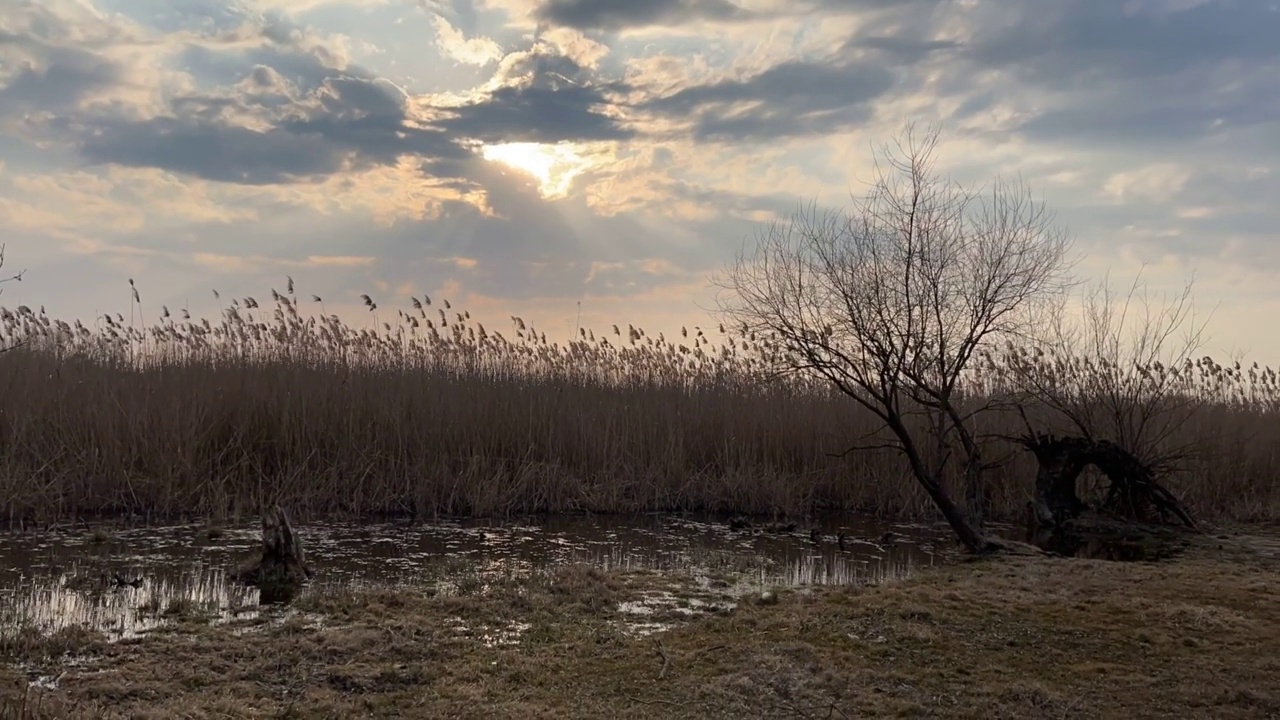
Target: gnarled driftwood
282, 569
1134, 492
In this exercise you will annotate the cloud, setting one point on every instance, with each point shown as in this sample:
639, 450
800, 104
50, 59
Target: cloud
348, 124
471, 51
265, 128
346, 139
575, 46
241, 264
295, 110
1160, 182
790, 99
541, 96
1128, 73
900, 50
1097, 40
59, 57
617, 14
60, 81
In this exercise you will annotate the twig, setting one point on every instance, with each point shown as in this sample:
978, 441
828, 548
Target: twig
1066, 712
713, 648
666, 660
642, 701
864, 448
857, 447
834, 710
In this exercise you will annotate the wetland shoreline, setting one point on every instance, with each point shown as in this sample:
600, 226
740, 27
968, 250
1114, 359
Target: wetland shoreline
1014, 636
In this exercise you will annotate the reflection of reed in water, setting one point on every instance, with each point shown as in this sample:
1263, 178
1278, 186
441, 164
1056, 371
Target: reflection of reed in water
53, 603
443, 558
841, 570
797, 570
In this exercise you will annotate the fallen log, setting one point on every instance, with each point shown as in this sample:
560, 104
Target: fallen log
282, 568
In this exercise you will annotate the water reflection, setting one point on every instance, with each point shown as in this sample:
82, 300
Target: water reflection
127, 582
84, 597
1116, 548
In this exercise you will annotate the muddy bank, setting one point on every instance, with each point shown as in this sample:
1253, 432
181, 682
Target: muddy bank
1194, 636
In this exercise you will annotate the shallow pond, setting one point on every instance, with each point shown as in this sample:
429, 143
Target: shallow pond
125, 581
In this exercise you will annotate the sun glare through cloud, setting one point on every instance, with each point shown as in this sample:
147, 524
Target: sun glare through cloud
553, 166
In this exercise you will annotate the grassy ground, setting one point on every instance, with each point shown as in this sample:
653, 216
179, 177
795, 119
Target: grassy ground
1197, 636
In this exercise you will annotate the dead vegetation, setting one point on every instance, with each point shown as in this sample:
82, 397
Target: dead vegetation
1009, 637
274, 405
431, 413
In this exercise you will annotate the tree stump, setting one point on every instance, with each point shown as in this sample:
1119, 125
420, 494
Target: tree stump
1134, 492
282, 569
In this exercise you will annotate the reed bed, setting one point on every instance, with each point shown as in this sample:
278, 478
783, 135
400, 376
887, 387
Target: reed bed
435, 414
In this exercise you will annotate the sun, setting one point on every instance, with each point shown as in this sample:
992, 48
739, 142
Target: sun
553, 167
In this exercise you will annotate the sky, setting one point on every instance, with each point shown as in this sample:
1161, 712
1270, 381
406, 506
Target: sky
600, 161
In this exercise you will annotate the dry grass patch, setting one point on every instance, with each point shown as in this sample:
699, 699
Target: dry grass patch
1013, 637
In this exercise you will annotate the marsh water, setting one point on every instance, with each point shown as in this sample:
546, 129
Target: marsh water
126, 581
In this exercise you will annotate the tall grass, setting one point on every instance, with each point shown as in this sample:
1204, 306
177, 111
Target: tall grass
436, 414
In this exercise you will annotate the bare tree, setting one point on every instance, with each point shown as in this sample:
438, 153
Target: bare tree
17, 277
890, 301
12, 278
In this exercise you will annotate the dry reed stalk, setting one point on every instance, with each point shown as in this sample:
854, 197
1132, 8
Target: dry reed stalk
437, 414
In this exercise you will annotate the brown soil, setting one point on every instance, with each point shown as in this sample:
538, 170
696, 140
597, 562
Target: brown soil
1013, 637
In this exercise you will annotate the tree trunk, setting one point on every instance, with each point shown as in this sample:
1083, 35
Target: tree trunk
282, 568
975, 493
975, 479
1134, 493
1060, 464
969, 535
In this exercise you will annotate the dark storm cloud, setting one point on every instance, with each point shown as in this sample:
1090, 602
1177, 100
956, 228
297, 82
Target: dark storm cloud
790, 99
619, 14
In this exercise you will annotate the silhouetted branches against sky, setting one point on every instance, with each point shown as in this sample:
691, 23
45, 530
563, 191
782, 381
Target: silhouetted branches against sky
891, 301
